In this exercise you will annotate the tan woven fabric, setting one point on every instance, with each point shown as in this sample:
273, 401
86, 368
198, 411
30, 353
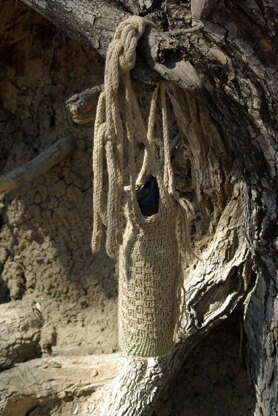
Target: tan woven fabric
148, 270
150, 248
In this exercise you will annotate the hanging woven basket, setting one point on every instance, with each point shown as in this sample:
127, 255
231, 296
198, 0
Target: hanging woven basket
147, 280
151, 247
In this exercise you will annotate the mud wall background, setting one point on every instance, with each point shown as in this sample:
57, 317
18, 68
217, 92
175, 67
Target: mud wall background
45, 227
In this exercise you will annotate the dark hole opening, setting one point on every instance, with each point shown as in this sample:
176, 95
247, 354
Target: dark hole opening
148, 197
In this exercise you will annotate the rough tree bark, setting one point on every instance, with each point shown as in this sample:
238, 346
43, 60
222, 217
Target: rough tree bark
224, 53
48, 380
20, 334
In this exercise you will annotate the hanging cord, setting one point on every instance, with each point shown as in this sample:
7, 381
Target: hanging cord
150, 164
112, 128
109, 133
185, 209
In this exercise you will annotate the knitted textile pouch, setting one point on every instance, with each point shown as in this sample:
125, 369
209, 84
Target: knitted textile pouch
148, 270
151, 248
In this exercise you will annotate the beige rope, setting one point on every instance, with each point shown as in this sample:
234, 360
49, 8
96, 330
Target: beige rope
112, 129
109, 132
168, 173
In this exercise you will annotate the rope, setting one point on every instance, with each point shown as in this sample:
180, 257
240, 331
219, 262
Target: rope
114, 130
109, 133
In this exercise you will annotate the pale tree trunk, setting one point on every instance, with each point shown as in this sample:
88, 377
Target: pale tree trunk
222, 55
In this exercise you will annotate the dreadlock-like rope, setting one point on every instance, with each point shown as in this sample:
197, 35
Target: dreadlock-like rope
152, 248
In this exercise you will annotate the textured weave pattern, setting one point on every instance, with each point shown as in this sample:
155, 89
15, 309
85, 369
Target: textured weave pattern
147, 284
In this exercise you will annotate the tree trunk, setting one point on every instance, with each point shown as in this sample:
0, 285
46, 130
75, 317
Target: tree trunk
20, 334
222, 55
42, 382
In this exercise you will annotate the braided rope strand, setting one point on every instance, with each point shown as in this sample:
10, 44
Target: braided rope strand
109, 133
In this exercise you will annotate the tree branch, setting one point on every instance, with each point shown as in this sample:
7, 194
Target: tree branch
38, 166
46, 380
82, 106
20, 334
93, 23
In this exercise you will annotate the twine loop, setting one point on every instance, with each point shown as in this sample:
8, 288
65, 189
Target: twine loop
126, 36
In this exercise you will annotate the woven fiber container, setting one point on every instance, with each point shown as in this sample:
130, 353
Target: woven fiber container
147, 281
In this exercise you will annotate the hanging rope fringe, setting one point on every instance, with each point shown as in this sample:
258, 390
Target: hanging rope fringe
109, 132
109, 138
